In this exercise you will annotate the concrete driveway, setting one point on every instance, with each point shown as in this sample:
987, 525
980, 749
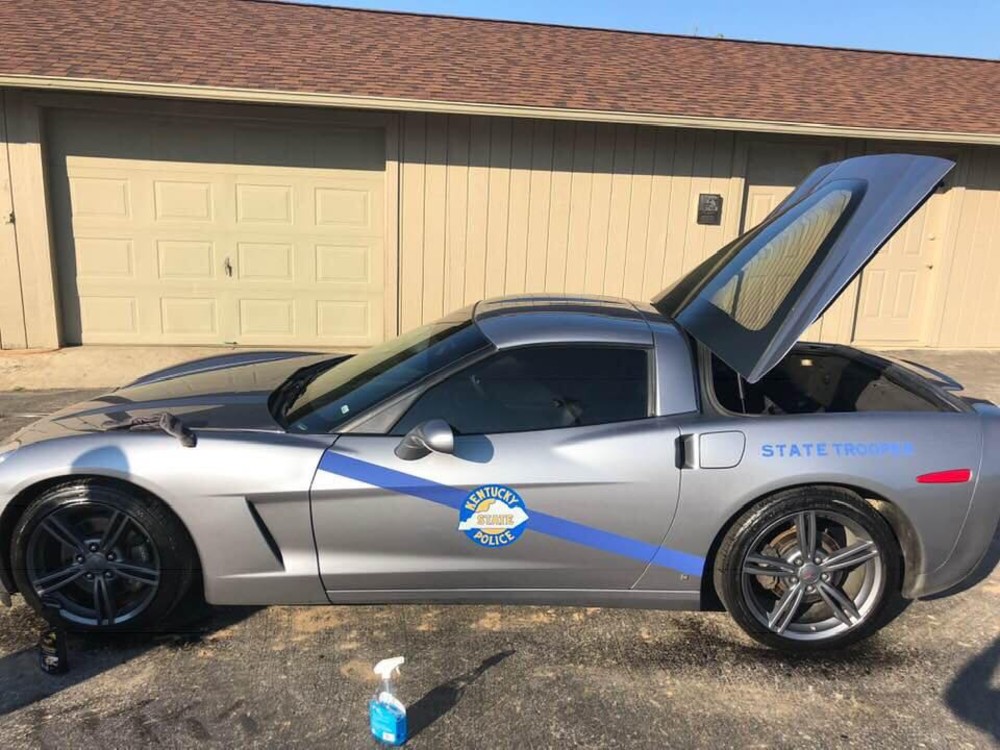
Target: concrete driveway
510, 676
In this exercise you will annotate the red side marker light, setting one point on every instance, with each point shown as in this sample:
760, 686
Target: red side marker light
951, 476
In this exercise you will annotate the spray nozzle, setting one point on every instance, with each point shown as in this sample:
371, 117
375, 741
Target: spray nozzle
388, 667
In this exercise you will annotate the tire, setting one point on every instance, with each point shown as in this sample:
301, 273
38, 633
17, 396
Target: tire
797, 605
95, 556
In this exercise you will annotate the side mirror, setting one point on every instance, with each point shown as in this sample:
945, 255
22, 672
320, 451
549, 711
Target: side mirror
433, 435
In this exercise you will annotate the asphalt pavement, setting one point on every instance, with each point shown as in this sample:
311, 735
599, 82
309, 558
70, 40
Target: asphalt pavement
498, 676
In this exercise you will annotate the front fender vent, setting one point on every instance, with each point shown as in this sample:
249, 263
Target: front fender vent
266, 534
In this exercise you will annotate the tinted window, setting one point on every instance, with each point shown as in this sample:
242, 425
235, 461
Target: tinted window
755, 289
539, 388
347, 390
747, 301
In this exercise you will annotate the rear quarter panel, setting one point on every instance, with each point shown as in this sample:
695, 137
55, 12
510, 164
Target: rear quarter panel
879, 454
977, 549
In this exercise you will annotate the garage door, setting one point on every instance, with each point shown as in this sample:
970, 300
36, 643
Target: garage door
190, 231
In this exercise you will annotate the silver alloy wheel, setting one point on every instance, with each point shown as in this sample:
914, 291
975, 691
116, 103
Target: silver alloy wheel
812, 575
94, 563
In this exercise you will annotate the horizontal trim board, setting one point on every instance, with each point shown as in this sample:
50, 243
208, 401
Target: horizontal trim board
137, 88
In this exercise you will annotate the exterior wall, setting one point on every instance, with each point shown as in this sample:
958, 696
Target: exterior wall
29, 303
12, 334
496, 206
35, 324
970, 315
483, 206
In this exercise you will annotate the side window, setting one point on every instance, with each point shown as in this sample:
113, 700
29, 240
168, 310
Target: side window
539, 388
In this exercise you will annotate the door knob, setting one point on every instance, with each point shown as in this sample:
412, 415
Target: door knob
228, 267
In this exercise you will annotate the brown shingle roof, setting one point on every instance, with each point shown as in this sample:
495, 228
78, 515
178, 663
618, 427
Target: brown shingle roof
250, 44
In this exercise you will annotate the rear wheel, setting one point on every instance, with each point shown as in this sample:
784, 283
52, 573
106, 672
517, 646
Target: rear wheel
810, 569
95, 556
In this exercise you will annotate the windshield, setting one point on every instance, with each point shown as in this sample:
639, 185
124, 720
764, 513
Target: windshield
345, 391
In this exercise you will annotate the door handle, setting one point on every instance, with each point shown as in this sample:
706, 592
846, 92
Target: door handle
227, 267
687, 452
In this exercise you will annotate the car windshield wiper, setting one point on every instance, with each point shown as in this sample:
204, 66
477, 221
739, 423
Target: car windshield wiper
163, 421
295, 385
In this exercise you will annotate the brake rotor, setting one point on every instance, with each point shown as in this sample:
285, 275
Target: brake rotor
785, 546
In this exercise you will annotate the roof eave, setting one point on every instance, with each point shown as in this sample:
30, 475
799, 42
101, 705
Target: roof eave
310, 99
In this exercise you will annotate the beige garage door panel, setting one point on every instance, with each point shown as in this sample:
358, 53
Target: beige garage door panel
270, 251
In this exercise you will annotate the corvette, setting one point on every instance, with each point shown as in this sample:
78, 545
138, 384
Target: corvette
542, 449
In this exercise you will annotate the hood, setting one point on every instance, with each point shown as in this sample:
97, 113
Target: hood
751, 301
226, 392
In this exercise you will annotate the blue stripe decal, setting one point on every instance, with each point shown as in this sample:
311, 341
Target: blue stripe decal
543, 523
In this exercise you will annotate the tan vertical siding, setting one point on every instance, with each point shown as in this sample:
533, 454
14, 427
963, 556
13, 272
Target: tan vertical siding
540, 199
971, 311
12, 331
435, 219
498, 205
457, 207
495, 206
522, 140
31, 224
560, 206
478, 227
412, 208
633, 249
580, 207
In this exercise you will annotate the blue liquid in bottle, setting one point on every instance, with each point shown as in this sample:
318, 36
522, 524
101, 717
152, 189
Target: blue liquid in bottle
386, 713
388, 722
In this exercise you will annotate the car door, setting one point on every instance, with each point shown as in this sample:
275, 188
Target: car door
752, 300
559, 479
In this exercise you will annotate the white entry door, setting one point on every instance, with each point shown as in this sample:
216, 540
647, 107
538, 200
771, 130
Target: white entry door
896, 287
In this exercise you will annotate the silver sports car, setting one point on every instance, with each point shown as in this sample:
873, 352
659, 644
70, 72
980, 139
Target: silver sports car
683, 454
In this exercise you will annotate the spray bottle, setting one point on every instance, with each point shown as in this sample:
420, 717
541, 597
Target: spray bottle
386, 712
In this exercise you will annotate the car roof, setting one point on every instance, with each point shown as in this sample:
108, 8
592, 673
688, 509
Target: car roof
589, 304
525, 319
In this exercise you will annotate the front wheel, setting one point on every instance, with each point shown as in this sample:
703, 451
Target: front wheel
95, 556
810, 569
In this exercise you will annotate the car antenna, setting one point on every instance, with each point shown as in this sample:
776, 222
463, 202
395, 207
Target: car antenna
164, 421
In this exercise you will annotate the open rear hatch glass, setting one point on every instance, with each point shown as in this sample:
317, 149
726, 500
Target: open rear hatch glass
751, 301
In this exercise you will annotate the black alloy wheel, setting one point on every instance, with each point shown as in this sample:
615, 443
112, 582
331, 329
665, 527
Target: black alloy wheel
101, 557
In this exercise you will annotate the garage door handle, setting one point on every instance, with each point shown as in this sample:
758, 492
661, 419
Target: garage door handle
228, 267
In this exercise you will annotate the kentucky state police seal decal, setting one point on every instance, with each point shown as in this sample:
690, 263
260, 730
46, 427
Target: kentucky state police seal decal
493, 516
